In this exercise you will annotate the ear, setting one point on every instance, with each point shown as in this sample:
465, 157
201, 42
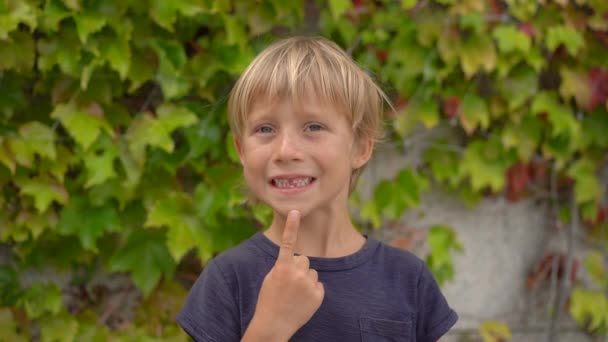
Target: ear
362, 152
239, 148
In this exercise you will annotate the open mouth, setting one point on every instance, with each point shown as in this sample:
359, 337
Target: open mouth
292, 182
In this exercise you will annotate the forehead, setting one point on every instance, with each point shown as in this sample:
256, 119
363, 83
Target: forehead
305, 107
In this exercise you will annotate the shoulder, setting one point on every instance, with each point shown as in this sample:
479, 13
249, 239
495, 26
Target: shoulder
434, 317
245, 258
400, 260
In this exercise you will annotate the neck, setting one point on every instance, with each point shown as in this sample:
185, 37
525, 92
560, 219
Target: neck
328, 234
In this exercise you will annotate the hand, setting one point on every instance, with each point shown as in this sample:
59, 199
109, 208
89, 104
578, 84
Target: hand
291, 292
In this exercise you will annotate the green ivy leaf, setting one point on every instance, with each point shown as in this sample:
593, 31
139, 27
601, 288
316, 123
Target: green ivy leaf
209, 202
235, 31
140, 69
590, 309
146, 257
575, 84
524, 136
473, 21
486, 164
148, 131
33, 223
442, 240
9, 328
407, 4
392, 198
34, 138
426, 112
100, 163
494, 331
518, 87
87, 222
522, 9
133, 167
60, 165
117, 51
443, 161
595, 127
6, 156
233, 154
205, 138
53, 13
44, 191
371, 213
87, 23
172, 116
559, 115
63, 50
474, 113
566, 35
594, 264
83, 124
9, 288
61, 327
39, 139
477, 53
510, 39
339, 7
89, 330
17, 52
587, 186
172, 59
176, 211
383, 194
164, 13
74, 5
15, 13
18, 149
40, 299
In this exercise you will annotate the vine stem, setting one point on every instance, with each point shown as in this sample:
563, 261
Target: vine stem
553, 296
565, 283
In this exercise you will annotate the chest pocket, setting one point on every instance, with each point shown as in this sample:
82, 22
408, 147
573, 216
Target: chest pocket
384, 330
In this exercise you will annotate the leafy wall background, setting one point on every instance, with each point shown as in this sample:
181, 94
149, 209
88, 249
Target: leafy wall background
116, 161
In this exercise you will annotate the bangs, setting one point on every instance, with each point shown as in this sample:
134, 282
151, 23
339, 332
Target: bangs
303, 66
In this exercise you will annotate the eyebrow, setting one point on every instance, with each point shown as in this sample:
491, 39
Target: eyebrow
267, 115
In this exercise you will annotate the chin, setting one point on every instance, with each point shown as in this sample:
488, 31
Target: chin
283, 210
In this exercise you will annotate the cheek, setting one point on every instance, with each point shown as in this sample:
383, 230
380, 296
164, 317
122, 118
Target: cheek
254, 164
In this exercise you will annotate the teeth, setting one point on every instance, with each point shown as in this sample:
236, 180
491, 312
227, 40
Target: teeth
293, 183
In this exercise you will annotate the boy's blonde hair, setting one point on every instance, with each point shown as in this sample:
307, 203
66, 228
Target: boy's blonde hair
295, 66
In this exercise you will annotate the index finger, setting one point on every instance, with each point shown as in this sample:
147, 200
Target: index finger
290, 235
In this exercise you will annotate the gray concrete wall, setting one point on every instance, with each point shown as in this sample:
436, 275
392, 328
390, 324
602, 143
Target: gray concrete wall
502, 242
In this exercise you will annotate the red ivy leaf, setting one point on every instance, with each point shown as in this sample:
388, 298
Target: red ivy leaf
542, 270
451, 106
538, 170
518, 177
598, 78
602, 37
600, 218
527, 29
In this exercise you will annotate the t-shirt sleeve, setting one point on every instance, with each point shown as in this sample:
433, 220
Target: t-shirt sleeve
210, 312
435, 317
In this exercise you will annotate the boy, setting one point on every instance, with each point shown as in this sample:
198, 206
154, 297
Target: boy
305, 118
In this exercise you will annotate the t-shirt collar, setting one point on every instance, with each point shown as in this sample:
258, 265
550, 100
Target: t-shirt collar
320, 263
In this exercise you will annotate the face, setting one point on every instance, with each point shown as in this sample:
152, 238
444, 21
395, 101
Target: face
300, 157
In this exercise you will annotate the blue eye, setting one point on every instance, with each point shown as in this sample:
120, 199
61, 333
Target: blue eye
264, 129
314, 127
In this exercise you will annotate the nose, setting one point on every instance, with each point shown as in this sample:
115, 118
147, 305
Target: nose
288, 147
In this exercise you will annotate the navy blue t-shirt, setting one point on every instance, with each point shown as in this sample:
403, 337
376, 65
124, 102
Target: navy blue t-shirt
379, 293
